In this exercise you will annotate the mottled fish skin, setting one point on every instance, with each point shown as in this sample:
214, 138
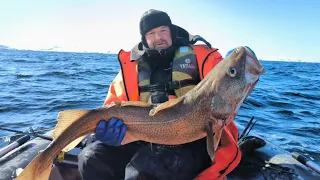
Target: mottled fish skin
216, 98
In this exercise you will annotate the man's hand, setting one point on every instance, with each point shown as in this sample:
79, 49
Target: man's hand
111, 132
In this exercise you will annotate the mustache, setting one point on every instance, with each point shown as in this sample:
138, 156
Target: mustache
159, 41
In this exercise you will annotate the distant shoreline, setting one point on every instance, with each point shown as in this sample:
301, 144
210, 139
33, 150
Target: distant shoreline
2, 47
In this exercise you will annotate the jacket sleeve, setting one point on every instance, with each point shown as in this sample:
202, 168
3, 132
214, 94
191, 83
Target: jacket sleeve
116, 92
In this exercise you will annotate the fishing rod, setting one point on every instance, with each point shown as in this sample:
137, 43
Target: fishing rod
245, 131
307, 162
11, 130
39, 135
14, 145
30, 132
21, 140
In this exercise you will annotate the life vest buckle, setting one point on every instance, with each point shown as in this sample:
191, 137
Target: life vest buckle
168, 86
173, 85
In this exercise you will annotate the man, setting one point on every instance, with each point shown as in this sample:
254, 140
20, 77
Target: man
164, 65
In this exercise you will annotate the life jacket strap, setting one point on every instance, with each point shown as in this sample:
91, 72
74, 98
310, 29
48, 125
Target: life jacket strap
168, 86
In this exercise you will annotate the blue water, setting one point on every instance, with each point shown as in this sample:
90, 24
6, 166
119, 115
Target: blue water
35, 86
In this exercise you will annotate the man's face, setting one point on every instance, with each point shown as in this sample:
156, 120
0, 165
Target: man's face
159, 38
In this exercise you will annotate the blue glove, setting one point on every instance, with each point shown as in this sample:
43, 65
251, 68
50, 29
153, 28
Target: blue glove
111, 132
229, 52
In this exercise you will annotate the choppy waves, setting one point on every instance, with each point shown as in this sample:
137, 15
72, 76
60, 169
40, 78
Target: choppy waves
35, 86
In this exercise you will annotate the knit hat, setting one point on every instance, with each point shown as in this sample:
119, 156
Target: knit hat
153, 19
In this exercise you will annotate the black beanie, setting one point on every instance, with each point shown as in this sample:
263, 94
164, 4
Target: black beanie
153, 19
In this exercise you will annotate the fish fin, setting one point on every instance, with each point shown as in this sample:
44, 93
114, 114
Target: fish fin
217, 138
73, 144
135, 103
166, 105
35, 171
128, 138
66, 118
210, 141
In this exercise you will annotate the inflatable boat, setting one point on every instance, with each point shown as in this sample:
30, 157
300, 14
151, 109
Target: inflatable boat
262, 160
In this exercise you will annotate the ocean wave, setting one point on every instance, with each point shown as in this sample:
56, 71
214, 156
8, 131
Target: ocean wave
285, 112
60, 74
312, 130
281, 104
303, 95
20, 60
284, 73
307, 112
5, 109
24, 76
15, 125
60, 107
252, 102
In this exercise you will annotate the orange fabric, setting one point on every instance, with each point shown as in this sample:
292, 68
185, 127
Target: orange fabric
116, 91
125, 88
214, 57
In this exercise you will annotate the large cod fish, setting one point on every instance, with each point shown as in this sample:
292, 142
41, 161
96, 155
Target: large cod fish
201, 112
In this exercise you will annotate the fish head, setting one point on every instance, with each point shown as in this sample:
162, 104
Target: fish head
235, 78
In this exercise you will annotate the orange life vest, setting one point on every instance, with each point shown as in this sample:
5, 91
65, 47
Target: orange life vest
125, 88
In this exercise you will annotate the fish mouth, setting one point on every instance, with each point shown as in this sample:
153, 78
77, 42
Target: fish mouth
252, 62
253, 68
260, 70
251, 88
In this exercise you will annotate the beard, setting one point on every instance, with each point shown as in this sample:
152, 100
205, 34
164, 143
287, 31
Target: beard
160, 44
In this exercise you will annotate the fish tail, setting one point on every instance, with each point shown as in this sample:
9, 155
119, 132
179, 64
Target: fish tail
36, 170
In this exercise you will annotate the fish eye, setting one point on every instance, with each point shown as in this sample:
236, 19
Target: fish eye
232, 72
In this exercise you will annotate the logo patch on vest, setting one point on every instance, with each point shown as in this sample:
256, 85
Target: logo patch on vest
187, 64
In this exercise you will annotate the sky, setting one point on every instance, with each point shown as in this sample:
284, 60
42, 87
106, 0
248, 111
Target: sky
274, 29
